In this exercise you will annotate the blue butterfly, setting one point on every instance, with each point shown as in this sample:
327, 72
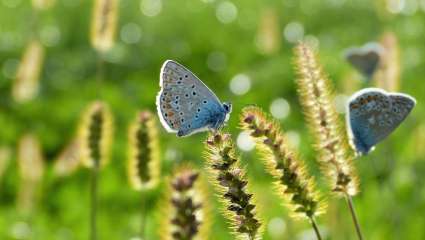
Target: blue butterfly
372, 114
186, 105
365, 59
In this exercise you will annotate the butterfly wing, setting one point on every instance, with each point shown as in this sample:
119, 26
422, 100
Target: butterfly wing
373, 114
365, 59
185, 104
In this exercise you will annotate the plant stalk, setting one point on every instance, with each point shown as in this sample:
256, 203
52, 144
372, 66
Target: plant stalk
93, 207
354, 216
143, 216
316, 228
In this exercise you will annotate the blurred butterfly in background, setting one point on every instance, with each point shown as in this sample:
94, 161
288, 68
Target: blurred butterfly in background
365, 59
372, 114
185, 104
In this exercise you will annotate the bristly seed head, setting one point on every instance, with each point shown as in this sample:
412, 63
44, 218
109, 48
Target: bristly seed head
187, 208
330, 140
292, 182
104, 24
95, 136
230, 180
143, 153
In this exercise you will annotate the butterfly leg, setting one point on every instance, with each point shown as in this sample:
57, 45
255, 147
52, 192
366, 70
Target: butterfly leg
183, 132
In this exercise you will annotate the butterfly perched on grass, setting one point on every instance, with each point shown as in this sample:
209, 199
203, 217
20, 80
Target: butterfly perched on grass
373, 114
365, 59
185, 104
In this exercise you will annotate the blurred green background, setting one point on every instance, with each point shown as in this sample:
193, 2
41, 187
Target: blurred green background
221, 42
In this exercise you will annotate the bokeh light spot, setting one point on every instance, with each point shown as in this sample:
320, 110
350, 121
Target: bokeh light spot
151, 8
21, 230
341, 103
294, 138
276, 228
395, 6
245, 141
226, 12
280, 108
240, 84
130, 33
293, 32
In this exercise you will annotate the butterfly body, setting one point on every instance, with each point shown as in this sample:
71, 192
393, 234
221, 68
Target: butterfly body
186, 105
365, 59
372, 114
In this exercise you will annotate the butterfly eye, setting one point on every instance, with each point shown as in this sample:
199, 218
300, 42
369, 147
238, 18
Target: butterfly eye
193, 93
193, 86
205, 101
186, 76
186, 95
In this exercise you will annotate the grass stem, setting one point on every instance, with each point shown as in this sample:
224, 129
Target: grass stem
93, 195
316, 228
354, 216
143, 215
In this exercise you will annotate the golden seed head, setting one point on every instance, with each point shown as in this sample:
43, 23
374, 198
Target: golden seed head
230, 180
187, 207
95, 134
291, 179
31, 170
26, 84
69, 160
104, 24
144, 154
330, 141
30, 158
268, 35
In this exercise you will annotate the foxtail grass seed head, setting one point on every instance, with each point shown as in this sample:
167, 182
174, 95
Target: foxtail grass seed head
30, 158
187, 208
26, 84
330, 141
292, 182
388, 74
231, 182
144, 156
95, 136
5, 155
69, 160
42, 4
268, 35
104, 24
31, 169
